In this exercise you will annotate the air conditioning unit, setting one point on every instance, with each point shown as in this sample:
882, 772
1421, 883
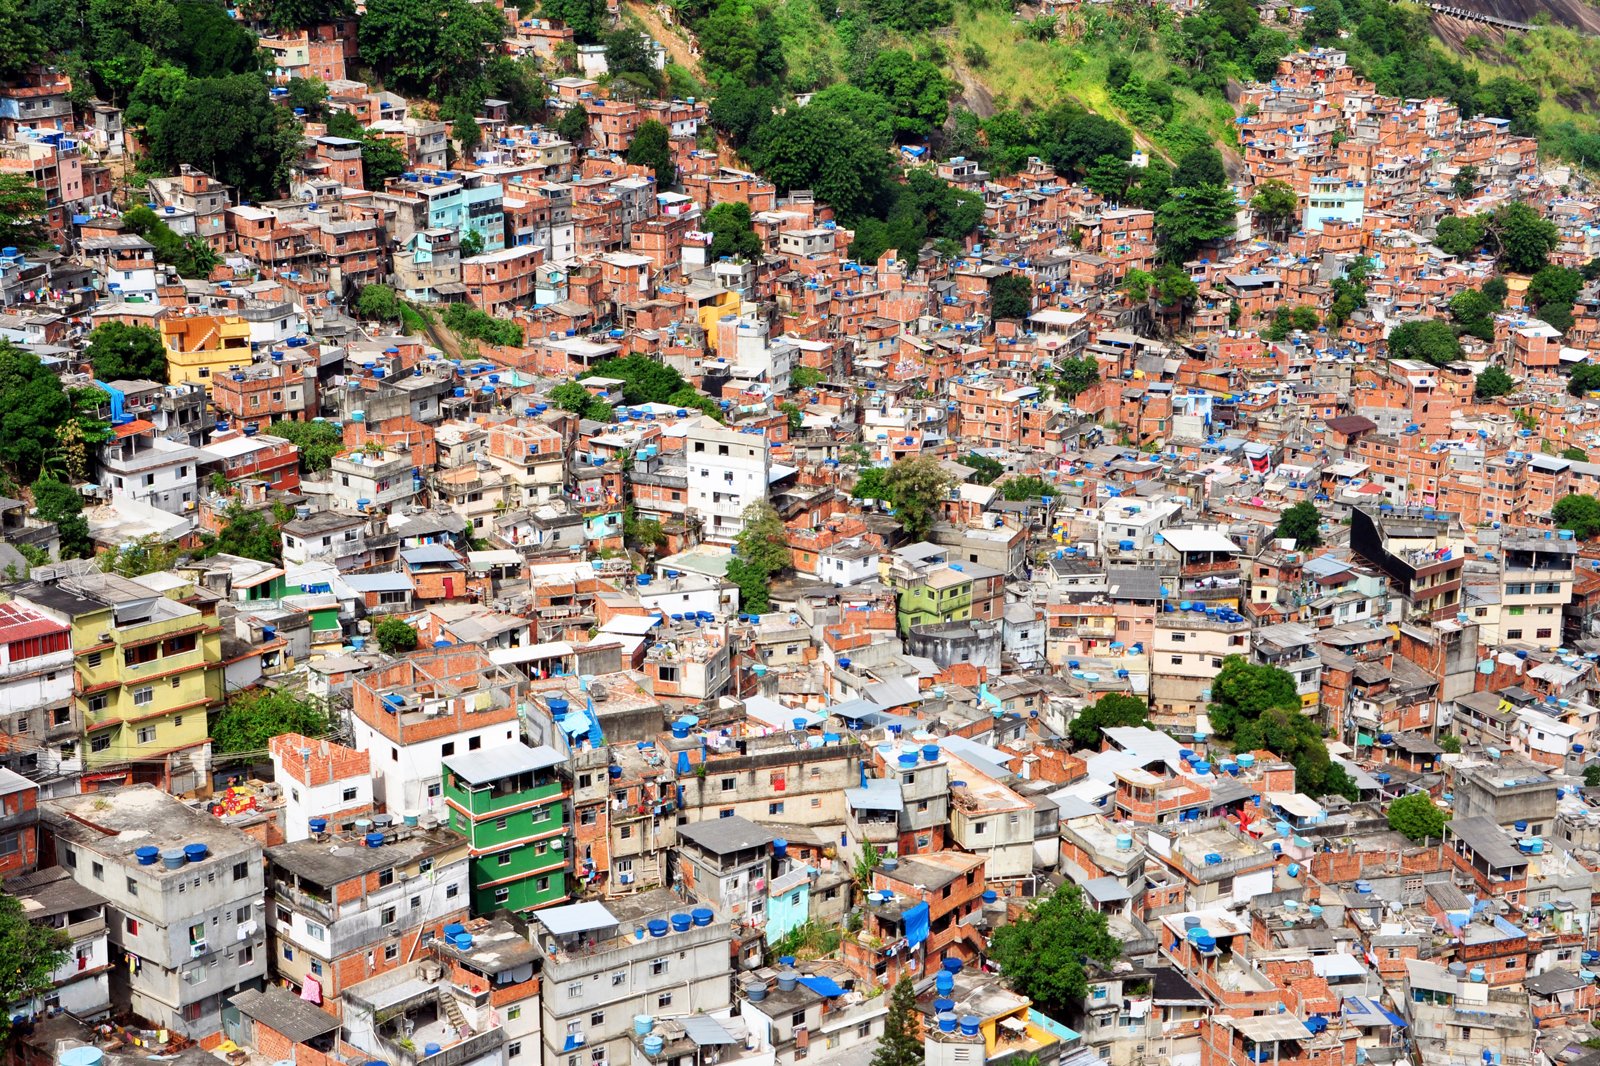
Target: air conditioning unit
198, 949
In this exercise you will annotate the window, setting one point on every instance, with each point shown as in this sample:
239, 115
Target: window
386, 916
664, 1000
241, 870
315, 931
132, 926
775, 808
349, 795
514, 1049
98, 871
513, 1013
242, 915
541, 884
147, 734
452, 892
316, 967
597, 1018
501, 895
143, 697
619, 979
391, 952
728, 784
385, 878
448, 748
798, 1018
575, 991
474, 743
97, 703
503, 859
659, 967
102, 742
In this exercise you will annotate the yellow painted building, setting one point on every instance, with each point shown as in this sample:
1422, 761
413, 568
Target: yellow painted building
147, 655
203, 347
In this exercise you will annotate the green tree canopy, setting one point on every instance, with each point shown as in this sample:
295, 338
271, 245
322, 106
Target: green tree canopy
228, 127
1585, 377
1026, 487
431, 46
1493, 382
318, 442
1432, 341
644, 380
732, 233
585, 18
916, 90
34, 411
247, 534
1242, 690
1460, 236
571, 396
1193, 216
1416, 817
300, 14
1300, 523
1043, 954
30, 954
255, 716
395, 636
1578, 512
652, 147
1112, 710
740, 110
573, 125
22, 208
60, 503
1552, 292
1011, 297
917, 486
763, 553
1200, 166
901, 1042
869, 110
378, 302
984, 469
811, 148
1526, 238
1473, 313
1277, 203
131, 353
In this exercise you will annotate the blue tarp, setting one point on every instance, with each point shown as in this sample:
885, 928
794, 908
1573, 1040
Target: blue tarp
916, 920
1394, 1019
822, 986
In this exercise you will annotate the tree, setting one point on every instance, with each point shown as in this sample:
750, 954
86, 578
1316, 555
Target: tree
30, 954
871, 484
1492, 383
811, 148
583, 17
643, 379
1591, 775
573, 125
430, 46
1431, 341
130, 353
626, 53
749, 48
763, 553
1108, 176
917, 485
247, 534
300, 14
1242, 690
378, 302
1301, 524
60, 503
652, 147
1576, 455
253, 717
309, 96
1286, 320
868, 110
1450, 743
34, 410
1465, 183
1110, 711
147, 555
1473, 313
228, 127
1028, 487
395, 636
1579, 513
1200, 166
1043, 954
740, 110
1277, 203
318, 442
1585, 378
916, 90
901, 1043
1460, 236
984, 469
21, 43
571, 396
1195, 216
1552, 292
1416, 817
1011, 297
22, 207
1525, 237
801, 377
381, 160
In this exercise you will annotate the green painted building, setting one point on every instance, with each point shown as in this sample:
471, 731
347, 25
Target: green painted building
513, 804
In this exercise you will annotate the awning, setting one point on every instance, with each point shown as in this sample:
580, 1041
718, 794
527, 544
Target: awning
822, 986
1363, 741
704, 1029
